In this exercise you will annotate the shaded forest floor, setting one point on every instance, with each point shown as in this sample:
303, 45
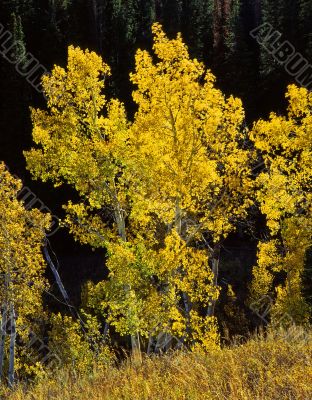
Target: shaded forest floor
278, 366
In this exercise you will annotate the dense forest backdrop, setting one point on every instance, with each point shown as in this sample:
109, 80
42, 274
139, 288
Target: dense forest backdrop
216, 31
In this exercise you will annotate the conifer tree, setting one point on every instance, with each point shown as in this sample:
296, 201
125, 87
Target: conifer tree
305, 15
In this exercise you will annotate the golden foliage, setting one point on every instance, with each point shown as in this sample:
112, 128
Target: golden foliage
285, 199
22, 234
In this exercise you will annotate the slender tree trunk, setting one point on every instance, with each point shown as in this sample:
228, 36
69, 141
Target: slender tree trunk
56, 274
121, 226
105, 330
163, 343
185, 298
12, 346
3, 337
215, 271
4, 321
136, 348
135, 342
150, 343
61, 287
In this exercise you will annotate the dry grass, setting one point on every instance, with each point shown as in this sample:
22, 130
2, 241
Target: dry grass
263, 368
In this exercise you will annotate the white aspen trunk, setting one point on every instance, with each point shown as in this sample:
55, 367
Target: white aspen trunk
61, 287
3, 337
164, 342
135, 341
4, 321
215, 271
121, 226
150, 343
56, 274
105, 331
178, 226
12, 346
186, 302
136, 355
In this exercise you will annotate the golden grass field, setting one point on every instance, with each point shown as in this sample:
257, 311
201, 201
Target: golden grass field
277, 367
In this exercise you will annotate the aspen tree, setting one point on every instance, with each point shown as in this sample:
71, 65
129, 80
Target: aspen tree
22, 234
284, 194
192, 172
159, 195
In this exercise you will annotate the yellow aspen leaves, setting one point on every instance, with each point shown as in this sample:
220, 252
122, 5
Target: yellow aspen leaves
22, 234
162, 192
285, 198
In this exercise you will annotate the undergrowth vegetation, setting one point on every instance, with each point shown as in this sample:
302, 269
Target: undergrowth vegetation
265, 367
